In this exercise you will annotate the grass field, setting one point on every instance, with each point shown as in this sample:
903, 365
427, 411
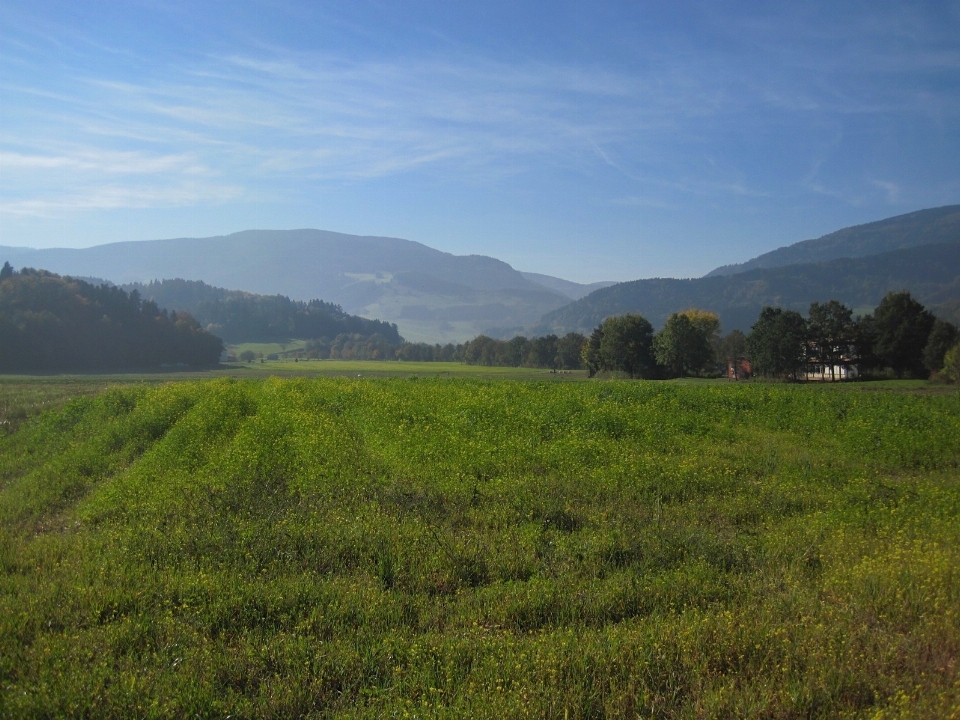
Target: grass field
456, 547
23, 396
268, 348
398, 368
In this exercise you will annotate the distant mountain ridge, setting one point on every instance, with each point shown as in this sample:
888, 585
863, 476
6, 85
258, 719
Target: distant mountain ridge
923, 227
572, 290
435, 296
431, 295
930, 272
918, 251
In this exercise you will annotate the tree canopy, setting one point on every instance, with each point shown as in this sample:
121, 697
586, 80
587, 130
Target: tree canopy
900, 328
624, 344
687, 343
776, 342
943, 336
548, 351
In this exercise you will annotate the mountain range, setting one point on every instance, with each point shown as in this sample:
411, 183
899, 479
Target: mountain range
431, 295
930, 272
924, 227
435, 296
919, 252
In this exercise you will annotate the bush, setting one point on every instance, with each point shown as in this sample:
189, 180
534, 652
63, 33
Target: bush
951, 365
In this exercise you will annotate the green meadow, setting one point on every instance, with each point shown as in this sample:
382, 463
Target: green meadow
266, 348
391, 368
23, 396
449, 547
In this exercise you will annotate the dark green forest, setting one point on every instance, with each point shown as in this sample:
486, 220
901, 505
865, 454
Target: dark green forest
49, 322
238, 316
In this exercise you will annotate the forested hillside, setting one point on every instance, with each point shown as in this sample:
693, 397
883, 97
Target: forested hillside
48, 322
238, 316
931, 273
431, 295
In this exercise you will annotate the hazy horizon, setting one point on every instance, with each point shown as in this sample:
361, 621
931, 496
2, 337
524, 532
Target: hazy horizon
574, 141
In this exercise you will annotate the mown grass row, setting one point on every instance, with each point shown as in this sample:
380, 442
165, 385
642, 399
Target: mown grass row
455, 548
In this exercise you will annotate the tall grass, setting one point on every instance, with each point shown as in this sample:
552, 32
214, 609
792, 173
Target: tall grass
458, 548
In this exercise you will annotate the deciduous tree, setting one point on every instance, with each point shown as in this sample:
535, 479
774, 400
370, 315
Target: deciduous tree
590, 352
687, 342
951, 364
901, 327
775, 343
626, 345
943, 336
568, 351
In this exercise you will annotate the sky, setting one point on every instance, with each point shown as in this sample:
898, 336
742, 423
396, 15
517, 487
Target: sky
590, 141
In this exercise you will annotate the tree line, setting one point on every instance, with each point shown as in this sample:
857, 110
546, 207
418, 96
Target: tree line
49, 322
551, 352
900, 337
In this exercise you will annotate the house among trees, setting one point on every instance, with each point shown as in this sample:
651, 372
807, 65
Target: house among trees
846, 369
830, 350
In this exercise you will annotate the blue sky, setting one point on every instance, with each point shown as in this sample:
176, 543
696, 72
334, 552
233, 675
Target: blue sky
588, 141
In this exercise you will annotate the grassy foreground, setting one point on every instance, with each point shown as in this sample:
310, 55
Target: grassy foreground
456, 548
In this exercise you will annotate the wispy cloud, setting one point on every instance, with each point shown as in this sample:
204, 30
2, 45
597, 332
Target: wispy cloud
892, 190
112, 197
104, 162
252, 118
635, 201
270, 117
